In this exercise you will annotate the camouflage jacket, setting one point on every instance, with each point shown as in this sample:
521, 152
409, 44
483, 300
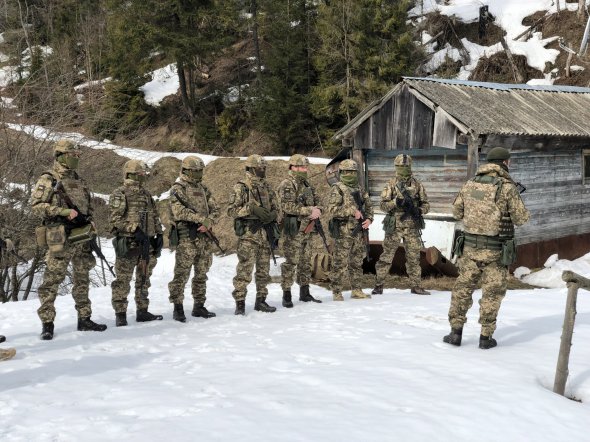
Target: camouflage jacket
251, 190
126, 205
392, 191
481, 208
49, 205
198, 196
341, 204
297, 198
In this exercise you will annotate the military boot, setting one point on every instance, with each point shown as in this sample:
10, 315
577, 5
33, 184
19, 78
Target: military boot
378, 290
87, 324
454, 338
261, 306
240, 308
487, 342
200, 311
2, 338
178, 313
143, 315
305, 296
47, 332
287, 301
359, 294
337, 296
121, 319
7, 353
419, 291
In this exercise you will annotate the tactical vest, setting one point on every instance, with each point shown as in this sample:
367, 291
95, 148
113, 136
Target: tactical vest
481, 214
196, 197
74, 188
347, 201
139, 206
260, 194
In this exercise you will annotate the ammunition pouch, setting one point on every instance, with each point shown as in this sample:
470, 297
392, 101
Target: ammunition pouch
508, 253
458, 243
41, 236
335, 226
483, 242
81, 234
291, 225
56, 238
389, 224
173, 239
239, 227
321, 265
123, 248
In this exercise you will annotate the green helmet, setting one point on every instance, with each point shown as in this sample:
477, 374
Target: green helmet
348, 165
498, 154
402, 160
256, 161
134, 166
298, 160
193, 163
65, 146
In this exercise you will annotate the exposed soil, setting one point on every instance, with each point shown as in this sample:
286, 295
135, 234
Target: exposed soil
497, 69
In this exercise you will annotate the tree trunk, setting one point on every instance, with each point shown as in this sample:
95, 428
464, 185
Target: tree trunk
568, 64
581, 7
183, 91
31, 277
254, 9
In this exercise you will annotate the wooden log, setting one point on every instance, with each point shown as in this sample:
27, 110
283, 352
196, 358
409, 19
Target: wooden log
569, 276
517, 75
562, 370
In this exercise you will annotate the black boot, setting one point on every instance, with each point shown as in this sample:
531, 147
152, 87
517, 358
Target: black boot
454, 338
178, 314
2, 338
287, 302
378, 290
240, 308
305, 296
487, 342
87, 324
121, 319
200, 311
144, 316
47, 332
261, 306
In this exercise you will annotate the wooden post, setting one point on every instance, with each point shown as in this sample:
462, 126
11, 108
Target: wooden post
472, 156
517, 75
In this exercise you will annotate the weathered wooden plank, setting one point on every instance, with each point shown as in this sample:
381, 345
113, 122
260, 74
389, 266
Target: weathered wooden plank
444, 133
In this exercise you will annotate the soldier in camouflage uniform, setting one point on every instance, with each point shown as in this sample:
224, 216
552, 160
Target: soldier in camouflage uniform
194, 212
7, 245
253, 205
490, 206
299, 205
134, 220
58, 218
349, 249
399, 225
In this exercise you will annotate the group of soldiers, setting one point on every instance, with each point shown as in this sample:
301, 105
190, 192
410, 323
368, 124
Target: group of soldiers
489, 206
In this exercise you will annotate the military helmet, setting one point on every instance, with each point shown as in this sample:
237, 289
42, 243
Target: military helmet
402, 160
65, 146
134, 166
298, 160
193, 163
498, 154
256, 161
348, 165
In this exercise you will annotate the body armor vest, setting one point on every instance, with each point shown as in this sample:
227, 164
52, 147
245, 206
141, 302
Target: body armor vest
75, 188
140, 209
259, 194
482, 215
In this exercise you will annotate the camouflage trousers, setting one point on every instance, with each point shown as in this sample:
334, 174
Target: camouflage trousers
297, 251
347, 260
191, 254
124, 268
412, 244
57, 263
253, 250
474, 266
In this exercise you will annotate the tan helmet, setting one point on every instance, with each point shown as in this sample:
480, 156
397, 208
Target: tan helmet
402, 160
348, 165
193, 163
298, 160
135, 166
256, 161
65, 146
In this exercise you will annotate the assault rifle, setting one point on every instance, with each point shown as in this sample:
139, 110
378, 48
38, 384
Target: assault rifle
270, 236
192, 233
359, 227
144, 252
320, 229
80, 221
3, 246
409, 208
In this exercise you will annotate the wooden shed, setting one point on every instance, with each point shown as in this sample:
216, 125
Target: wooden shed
448, 126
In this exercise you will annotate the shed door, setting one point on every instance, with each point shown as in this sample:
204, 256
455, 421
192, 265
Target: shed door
441, 171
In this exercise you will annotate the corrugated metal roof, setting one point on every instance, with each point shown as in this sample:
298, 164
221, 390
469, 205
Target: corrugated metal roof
496, 108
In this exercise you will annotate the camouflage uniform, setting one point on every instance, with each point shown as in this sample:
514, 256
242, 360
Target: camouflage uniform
398, 229
127, 203
481, 258
253, 246
349, 249
195, 252
297, 200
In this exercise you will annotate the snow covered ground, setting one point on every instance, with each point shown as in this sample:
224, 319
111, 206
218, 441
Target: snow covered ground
360, 370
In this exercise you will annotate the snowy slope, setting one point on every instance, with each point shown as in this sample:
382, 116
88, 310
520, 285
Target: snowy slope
361, 370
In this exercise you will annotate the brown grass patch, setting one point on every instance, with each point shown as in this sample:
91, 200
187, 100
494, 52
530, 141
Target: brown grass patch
497, 69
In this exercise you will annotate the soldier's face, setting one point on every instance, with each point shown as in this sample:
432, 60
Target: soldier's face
299, 168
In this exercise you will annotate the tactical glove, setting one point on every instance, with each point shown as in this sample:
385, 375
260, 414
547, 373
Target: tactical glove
260, 212
399, 202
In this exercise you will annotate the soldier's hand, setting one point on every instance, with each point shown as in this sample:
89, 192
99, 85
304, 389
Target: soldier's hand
399, 202
140, 236
366, 223
315, 213
358, 214
202, 229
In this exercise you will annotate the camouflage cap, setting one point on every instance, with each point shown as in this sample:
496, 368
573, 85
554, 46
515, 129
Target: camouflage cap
135, 166
255, 161
193, 163
498, 154
348, 165
402, 160
65, 146
298, 160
